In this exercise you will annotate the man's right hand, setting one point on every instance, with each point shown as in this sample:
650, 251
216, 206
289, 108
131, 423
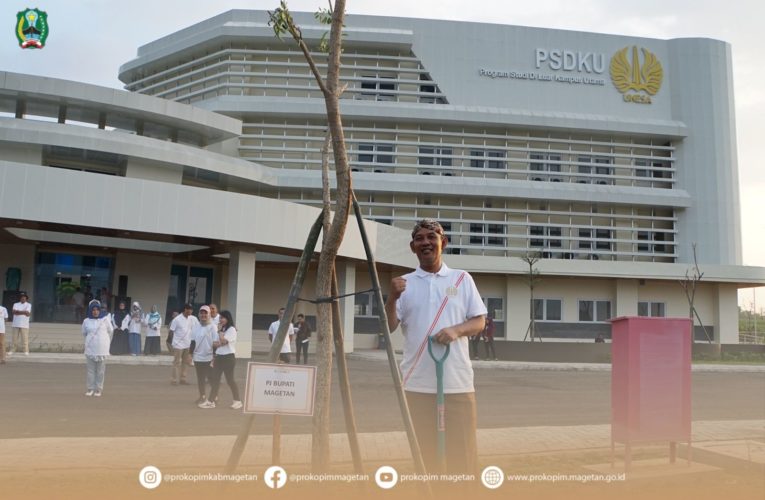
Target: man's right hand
397, 287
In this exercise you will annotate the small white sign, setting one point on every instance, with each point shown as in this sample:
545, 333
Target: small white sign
280, 389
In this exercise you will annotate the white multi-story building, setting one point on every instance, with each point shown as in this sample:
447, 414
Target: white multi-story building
608, 157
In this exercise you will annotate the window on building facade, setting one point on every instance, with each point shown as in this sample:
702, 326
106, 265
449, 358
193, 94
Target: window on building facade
553, 237
652, 309
545, 167
429, 88
478, 234
366, 305
436, 156
376, 88
660, 170
594, 310
548, 309
58, 276
601, 169
647, 242
495, 307
585, 241
487, 158
602, 239
374, 153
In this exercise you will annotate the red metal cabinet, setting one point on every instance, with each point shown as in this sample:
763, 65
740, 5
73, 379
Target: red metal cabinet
650, 381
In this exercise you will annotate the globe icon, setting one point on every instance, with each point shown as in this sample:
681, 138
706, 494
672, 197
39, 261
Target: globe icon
492, 477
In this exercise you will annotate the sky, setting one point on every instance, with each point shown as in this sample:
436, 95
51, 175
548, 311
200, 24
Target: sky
90, 39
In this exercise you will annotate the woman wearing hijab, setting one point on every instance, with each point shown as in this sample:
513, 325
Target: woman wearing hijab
120, 344
96, 329
153, 323
225, 362
133, 325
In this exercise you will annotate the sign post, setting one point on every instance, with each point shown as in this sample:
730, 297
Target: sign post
279, 389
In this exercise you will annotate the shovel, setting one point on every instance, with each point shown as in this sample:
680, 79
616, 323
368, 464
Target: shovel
440, 404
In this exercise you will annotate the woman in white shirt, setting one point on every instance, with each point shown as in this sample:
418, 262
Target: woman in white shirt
97, 329
225, 362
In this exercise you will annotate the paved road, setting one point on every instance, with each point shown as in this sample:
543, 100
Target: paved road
44, 399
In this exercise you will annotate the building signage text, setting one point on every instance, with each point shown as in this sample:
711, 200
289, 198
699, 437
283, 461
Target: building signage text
636, 81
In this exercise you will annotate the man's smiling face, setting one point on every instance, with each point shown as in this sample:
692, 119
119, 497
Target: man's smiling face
428, 245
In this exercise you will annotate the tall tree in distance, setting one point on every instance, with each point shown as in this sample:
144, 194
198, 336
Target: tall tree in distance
283, 24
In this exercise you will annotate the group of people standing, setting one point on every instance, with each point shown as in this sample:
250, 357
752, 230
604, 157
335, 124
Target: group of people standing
209, 344
128, 326
300, 333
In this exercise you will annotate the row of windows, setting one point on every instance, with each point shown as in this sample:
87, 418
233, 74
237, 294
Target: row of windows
546, 309
245, 71
382, 158
590, 310
512, 227
366, 306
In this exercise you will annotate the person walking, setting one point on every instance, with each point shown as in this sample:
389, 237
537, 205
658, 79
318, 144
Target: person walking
96, 329
22, 310
153, 323
442, 303
203, 335
284, 354
302, 339
180, 329
225, 362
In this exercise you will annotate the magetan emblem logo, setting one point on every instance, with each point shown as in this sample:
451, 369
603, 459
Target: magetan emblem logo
635, 81
32, 28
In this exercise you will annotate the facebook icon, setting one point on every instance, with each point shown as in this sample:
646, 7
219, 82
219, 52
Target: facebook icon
275, 477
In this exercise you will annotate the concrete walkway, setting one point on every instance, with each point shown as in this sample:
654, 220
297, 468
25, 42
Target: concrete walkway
179, 453
379, 355
377, 448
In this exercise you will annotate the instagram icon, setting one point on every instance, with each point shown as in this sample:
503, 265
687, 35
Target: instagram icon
150, 477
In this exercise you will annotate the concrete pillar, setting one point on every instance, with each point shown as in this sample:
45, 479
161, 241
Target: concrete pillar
517, 307
241, 291
726, 314
626, 298
346, 283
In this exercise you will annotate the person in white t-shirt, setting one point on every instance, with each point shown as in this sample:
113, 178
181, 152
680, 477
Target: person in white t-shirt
445, 304
180, 329
284, 355
97, 329
225, 362
22, 310
214, 316
3, 319
203, 336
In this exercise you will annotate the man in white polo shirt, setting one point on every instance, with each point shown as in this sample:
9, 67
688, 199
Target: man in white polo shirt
284, 354
181, 328
22, 310
445, 304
